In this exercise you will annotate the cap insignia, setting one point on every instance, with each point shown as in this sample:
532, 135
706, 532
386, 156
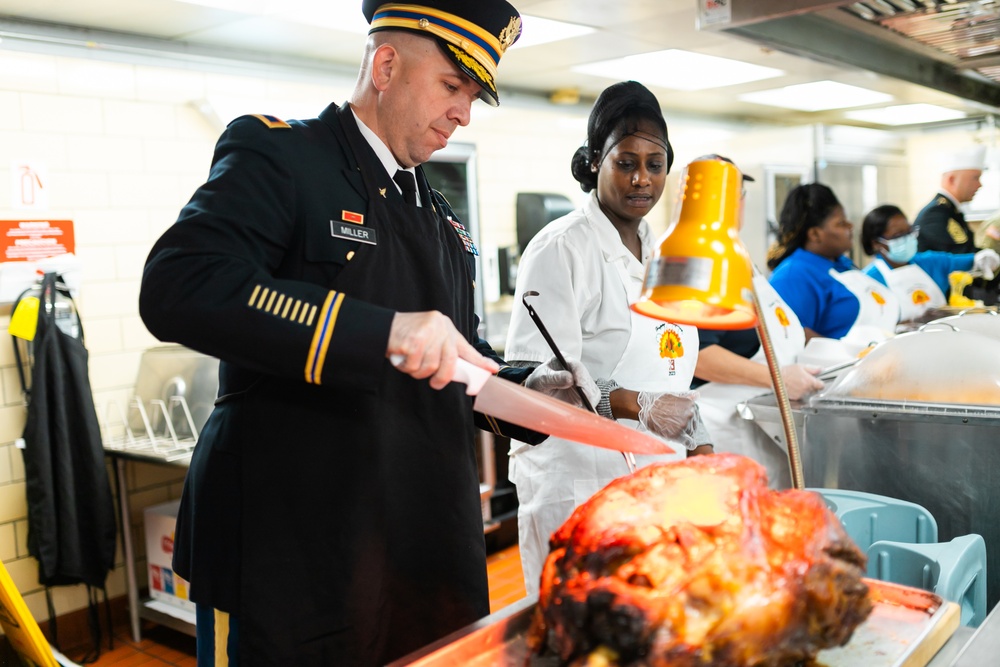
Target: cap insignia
510, 33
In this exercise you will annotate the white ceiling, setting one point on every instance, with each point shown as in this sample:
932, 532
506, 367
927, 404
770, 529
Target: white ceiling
624, 27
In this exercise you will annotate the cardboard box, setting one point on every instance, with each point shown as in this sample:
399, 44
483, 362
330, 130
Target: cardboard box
164, 585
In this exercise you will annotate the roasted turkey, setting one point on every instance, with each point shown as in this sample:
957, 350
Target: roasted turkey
697, 563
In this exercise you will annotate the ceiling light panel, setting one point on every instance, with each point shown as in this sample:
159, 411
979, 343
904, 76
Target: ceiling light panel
905, 114
679, 70
536, 30
817, 96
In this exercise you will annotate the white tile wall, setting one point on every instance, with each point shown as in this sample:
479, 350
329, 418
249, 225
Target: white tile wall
8, 541
10, 111
96, 78
28, 72
5, 476
127, 118
62, 114
102, 154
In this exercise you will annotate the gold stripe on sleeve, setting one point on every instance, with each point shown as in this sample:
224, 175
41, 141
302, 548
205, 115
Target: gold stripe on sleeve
253, 297
321, 337
270, 302
325, 345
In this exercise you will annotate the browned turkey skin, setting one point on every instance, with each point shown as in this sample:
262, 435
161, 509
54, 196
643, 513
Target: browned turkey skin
698, 563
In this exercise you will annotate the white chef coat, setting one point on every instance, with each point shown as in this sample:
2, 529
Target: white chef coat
586, 279
916, 291
718, 400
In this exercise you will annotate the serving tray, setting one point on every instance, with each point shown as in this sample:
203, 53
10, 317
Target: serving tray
906, 628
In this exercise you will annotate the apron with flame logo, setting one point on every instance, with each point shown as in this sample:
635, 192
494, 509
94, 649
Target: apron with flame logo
718, 401
879, 307
916, 291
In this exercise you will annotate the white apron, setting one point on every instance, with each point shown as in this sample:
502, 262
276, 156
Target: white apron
718, 401
917, 292
556, 476
879, 308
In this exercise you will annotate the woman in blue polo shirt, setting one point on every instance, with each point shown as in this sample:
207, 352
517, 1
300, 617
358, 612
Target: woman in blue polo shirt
919, 279
813, 274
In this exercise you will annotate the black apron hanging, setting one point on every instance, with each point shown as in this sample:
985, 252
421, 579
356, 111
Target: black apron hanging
71, 517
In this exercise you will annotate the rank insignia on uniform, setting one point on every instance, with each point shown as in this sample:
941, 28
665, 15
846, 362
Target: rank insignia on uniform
464, 236
956, 232
273, 122
351, 216
941, 200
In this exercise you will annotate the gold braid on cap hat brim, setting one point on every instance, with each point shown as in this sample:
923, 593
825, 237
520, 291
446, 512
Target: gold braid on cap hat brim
475, 47
473, 65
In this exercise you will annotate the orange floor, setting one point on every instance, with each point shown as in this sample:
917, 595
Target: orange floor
162, 646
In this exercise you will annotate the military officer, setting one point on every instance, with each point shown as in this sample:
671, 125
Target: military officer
331, 514
941, 224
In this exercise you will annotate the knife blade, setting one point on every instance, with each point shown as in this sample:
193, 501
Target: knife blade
532, 409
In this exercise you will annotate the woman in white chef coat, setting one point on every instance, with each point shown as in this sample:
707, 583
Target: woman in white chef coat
587, 267
814, 275
918, 279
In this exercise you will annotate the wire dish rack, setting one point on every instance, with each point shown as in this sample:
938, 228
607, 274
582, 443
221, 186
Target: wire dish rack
167, 444
174, 394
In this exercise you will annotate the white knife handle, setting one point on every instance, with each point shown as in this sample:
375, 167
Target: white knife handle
468, 374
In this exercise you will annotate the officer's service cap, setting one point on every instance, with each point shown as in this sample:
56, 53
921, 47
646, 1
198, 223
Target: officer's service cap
474, 34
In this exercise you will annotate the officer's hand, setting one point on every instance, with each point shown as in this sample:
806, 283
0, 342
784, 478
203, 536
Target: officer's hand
429, 344
552, 379
800, 379
987, 261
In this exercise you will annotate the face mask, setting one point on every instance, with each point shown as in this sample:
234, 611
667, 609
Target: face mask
903, 249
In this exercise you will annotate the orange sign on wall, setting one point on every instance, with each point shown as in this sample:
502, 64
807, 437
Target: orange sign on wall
32, 240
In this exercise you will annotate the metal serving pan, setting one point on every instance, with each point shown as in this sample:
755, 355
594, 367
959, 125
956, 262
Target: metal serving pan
905, 629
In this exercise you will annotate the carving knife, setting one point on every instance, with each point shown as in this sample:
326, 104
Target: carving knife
513, 403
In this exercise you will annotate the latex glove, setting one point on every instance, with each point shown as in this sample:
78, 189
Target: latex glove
670, 416
552, 379
800, 379
987, 261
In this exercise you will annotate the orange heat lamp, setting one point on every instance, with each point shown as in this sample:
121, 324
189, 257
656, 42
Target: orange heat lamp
700, 274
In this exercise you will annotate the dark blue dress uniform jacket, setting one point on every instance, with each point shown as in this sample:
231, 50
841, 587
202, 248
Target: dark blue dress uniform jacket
942, 226
332, 502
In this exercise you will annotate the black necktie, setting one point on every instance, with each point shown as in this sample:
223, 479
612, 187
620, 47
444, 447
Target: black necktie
408, 185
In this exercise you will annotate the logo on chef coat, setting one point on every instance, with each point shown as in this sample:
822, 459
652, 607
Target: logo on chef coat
669, 343
919, 297
878, 298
